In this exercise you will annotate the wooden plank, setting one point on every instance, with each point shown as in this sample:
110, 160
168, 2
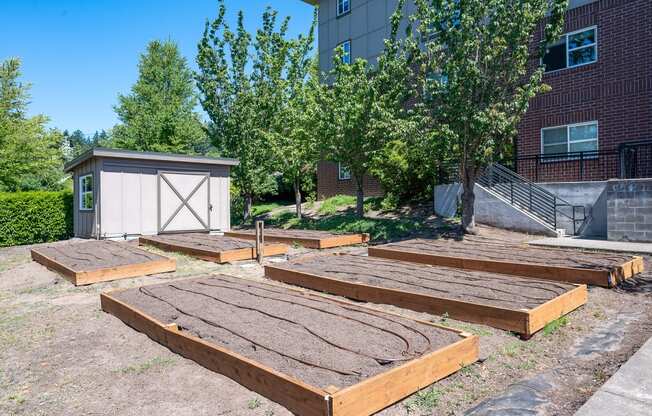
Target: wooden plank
361, 399
328, 241
87, 277
547, 272
223, 256
379, 392
502, 318
556, 308
300, 398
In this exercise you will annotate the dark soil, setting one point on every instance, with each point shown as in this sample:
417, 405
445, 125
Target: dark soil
292, 233
207, 242
311, 338
511, 292
96, 255
488, 248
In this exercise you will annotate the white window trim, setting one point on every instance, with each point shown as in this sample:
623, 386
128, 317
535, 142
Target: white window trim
568, 141
348, 41
337, 8
81, 192
565, 36
339, 173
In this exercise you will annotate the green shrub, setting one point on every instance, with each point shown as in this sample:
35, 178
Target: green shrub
35, 217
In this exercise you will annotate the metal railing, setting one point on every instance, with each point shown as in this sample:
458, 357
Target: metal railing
530, 197
627, 161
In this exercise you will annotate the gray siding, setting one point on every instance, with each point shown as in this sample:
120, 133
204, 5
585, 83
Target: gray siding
366, 26
85, 221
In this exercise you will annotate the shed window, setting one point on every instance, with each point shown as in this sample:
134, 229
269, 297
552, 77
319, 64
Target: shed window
343, 172
343, 7
569, 139
573, 49
86, 192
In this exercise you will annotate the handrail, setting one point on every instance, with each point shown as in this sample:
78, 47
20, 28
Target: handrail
527, 195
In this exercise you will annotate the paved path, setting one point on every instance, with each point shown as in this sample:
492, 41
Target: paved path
619, 246
628, 392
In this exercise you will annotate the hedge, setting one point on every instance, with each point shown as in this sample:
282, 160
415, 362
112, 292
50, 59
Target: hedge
35, 217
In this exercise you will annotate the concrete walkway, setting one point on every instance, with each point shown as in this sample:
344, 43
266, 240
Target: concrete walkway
628, 392
584, 243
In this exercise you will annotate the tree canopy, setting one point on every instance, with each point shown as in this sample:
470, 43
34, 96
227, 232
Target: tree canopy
247, 84
159, 113
473, 75
30, 154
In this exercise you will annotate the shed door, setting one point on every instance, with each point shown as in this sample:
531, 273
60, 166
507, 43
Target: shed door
183, 201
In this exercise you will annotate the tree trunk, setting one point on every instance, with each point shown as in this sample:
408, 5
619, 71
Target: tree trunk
359, 203
468, 201
297, 196
248, 202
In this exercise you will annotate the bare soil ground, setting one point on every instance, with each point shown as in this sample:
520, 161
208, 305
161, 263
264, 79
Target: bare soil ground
312, 339
61, 355
510, 292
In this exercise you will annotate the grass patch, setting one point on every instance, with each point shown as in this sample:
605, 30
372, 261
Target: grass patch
377, 228
17, 398
260, 209
424, 400
254, 403
331, 205
153, 364
554, 326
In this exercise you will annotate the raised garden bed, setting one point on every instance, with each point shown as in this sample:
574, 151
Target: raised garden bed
312, 354
215, 248
477, 253
100, 261
512, 303
307, 238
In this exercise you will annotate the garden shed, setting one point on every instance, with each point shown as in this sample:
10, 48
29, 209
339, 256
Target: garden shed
121, 193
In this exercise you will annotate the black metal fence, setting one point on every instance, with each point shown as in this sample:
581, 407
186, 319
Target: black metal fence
628, 161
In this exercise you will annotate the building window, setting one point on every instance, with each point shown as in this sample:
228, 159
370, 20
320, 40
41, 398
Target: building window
569, 139
343, 172
573, 49
343, 7
86, 192
346, 51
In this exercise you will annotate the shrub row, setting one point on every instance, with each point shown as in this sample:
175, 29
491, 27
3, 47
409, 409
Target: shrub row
35, 217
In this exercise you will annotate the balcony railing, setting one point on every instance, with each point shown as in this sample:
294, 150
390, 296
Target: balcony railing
628, 161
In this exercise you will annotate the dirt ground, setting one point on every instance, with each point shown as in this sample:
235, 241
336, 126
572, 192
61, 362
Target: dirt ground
61, 355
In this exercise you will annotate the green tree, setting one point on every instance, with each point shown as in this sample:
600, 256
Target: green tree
297, 136
31, 156
243, 81
474, 76
159, 113
364, 109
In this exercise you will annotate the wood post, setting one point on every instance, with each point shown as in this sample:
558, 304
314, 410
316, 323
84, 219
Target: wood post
260, 241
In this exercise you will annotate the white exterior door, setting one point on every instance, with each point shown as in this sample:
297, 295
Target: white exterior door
184, 201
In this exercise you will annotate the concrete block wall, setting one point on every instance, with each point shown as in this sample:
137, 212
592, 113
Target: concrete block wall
629, 210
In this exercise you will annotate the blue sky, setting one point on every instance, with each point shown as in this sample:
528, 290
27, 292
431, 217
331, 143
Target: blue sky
78, 55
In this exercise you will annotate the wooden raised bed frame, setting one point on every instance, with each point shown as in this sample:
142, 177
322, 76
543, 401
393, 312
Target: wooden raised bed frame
604, 278
225, 256
525, 322
336, 240
364, 398
81, 278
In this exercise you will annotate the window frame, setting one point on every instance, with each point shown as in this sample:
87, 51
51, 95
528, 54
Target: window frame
345, 55
340, 177
82, 193
568, 141
565, 36
344, 12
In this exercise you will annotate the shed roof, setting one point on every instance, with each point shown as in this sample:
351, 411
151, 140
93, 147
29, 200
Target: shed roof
163, 157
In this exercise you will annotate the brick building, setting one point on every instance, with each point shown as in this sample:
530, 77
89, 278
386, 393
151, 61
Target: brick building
593, 125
